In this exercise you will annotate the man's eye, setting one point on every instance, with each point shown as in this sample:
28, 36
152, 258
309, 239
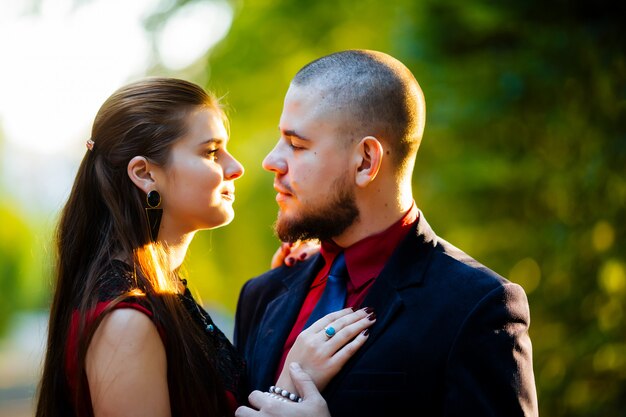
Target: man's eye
295, 146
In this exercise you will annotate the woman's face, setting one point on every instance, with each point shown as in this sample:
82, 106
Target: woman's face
197, 184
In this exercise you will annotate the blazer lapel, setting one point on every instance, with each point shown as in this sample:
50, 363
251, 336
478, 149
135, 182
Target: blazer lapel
278, 319
406, 268
386, 302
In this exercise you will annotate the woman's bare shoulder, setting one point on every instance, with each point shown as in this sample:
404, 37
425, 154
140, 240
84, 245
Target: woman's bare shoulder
126, 361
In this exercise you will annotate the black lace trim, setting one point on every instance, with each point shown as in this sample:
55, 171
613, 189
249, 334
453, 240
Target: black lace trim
116, 281
228, 363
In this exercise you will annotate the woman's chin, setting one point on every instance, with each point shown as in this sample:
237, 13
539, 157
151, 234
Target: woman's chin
223, 220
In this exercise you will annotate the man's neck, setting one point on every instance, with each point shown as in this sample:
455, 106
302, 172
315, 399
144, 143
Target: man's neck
375, 216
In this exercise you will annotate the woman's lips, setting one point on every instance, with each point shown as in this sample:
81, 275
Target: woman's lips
228, 195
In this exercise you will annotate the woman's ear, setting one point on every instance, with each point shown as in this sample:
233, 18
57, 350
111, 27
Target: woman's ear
370, 154
139, 172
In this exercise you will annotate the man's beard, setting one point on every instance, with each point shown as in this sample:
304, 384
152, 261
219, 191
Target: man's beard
324, 222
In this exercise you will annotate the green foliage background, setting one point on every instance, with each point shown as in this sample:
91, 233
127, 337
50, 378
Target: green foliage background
522, 163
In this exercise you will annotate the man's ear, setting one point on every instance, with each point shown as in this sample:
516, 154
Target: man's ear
370, 154
139, 172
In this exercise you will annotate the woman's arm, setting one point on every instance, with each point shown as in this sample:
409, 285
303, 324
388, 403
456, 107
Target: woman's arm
127, 368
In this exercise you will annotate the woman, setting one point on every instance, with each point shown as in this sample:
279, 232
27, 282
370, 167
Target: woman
125, 335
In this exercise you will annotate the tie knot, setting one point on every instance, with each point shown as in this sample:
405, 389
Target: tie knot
339, 268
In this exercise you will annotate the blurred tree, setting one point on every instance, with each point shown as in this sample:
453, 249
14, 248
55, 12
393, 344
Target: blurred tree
540, 92
22, 260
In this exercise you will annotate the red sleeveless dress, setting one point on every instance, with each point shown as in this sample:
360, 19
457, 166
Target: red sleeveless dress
117, 281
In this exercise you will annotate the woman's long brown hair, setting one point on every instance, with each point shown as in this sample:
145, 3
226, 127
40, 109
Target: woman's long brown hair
104, 219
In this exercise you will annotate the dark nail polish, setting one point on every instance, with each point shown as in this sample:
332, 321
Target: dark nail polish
289, 261
366, 332
302, 256
372, 317
368, 309
353, 308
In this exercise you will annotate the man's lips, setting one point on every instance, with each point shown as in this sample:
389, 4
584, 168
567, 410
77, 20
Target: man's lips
282, 189
283, 192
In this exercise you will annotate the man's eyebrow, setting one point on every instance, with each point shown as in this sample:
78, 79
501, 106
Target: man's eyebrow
293, 134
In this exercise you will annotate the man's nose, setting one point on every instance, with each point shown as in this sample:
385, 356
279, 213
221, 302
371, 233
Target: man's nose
274, 162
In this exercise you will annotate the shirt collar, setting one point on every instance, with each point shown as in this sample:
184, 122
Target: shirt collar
366, 258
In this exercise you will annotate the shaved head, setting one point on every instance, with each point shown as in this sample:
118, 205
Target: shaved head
379, 96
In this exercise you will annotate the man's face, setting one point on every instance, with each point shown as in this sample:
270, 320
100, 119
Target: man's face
312, 161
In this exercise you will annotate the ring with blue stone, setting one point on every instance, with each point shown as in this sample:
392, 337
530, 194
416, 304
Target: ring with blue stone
329, 331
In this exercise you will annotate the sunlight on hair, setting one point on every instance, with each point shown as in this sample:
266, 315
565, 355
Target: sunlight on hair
136, 292
152, 257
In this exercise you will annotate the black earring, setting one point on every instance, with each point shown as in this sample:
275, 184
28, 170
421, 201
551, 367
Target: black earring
154, 213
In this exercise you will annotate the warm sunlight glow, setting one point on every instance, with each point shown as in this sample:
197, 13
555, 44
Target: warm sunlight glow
62, 58
61, 62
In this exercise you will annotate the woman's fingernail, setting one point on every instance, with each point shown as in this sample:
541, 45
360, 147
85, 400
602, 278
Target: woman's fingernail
353, 308
372, 317
302, 256
289, 261
368, 309
366, 332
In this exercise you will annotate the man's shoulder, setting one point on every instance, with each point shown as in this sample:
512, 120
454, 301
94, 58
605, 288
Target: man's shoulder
431, 259
461, 285
455, 259
465, 281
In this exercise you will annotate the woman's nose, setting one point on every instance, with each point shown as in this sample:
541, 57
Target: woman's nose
233, 169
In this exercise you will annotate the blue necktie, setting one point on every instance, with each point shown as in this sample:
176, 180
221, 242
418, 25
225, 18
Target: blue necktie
334, 295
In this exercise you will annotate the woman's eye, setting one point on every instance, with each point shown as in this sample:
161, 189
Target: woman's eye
212, 154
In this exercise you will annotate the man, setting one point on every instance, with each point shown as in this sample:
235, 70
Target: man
451, 336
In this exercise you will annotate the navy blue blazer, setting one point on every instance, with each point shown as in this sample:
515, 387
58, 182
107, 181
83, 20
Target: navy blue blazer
451, 336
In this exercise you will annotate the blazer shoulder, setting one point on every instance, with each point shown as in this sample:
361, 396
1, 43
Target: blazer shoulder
452, 258
452, 268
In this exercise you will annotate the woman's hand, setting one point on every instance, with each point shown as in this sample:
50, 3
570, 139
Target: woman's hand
321, 356
312, 405
290, 253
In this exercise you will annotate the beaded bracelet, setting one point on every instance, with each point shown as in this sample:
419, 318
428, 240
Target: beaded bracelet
286, 394
276, 397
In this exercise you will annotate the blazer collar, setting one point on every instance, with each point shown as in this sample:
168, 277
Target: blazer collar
407, 267
278, 319
302, 273
412, 256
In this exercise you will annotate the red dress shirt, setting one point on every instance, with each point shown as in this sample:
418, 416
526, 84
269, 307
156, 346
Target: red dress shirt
364, 260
